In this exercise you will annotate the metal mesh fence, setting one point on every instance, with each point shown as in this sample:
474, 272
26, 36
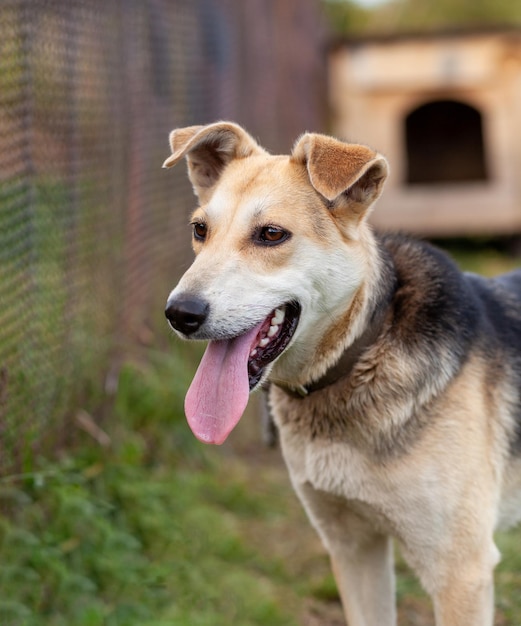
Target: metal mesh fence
91, 233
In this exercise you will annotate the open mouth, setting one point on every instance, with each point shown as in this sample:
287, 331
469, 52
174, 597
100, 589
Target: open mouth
272, 339
230, 369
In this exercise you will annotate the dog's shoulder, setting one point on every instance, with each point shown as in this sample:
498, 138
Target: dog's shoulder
435, 308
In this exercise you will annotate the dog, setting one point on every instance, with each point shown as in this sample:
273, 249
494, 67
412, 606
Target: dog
394, 378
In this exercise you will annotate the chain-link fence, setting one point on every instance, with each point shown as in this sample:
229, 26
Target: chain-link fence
92, 230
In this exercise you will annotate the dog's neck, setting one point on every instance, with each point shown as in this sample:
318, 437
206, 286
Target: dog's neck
343, 367
376, 313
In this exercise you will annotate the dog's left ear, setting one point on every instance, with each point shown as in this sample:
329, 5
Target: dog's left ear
347, 173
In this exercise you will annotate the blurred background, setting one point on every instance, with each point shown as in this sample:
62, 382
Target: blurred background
93, 232
111, 513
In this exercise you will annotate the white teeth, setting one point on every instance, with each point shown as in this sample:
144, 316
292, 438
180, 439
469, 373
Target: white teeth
273, 331
278, 318
276, 321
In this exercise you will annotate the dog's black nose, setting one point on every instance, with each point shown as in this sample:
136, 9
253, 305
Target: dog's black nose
186, 313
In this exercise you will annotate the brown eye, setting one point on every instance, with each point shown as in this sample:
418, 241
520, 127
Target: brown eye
200, 230
271, 235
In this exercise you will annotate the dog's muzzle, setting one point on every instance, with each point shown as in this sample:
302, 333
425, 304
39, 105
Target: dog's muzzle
186, 313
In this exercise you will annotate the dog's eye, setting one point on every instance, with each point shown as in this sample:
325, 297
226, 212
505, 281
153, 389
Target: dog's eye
271, 235
200, 230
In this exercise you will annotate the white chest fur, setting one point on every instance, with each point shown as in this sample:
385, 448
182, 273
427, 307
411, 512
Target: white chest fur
390, 496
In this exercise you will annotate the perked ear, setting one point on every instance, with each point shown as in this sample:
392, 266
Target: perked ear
208, 149
341, 171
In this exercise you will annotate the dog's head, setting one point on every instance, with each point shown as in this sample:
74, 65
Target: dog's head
281, 247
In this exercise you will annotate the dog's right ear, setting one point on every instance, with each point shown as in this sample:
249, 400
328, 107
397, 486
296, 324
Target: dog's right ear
208, 150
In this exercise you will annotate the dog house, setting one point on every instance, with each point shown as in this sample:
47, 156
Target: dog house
445, 109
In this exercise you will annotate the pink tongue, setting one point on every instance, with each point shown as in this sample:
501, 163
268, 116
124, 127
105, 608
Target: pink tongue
219, 391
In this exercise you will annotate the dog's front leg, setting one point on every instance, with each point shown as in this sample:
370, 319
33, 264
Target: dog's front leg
365, 579
459, 576
465, 601
362, 559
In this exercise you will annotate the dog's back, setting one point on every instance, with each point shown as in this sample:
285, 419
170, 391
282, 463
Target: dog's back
499, 302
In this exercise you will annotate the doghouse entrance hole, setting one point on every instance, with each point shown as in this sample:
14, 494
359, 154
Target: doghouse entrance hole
444, 143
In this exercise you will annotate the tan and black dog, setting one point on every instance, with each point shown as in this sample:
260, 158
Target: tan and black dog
395, 379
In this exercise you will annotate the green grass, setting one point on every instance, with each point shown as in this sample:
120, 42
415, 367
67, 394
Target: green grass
508, 577
115, 544
482, 256
148, 532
